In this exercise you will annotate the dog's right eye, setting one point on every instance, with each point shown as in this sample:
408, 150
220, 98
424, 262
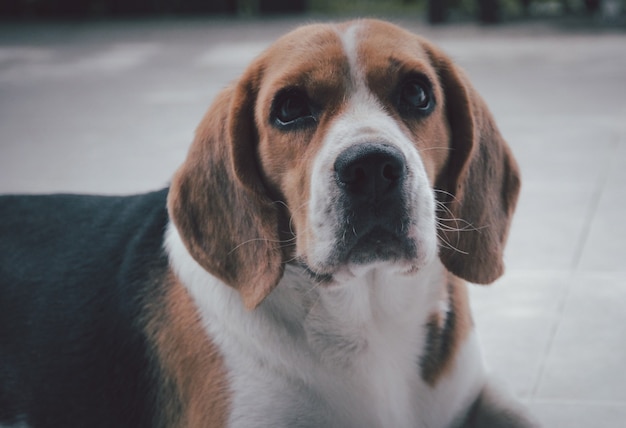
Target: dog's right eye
414, 96
292, 108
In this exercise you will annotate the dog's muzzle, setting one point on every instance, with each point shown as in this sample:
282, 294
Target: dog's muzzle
373, 206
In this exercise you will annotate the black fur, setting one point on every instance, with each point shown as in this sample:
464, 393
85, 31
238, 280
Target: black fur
74, 272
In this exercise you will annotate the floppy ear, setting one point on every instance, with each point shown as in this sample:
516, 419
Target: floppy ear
218, 203
479, 187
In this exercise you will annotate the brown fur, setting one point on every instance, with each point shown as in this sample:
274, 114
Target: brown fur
243, 192
194, 391
446, 333
466, 158
240, 199
219, 205
312, 60
391, 54
479, 186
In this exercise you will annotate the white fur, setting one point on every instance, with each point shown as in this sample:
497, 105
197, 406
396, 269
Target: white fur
365, 120
345, 355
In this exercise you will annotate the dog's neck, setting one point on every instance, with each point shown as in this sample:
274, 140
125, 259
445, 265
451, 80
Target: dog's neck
377, 309
354, 344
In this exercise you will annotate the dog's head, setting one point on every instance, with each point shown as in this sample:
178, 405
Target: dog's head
344, 147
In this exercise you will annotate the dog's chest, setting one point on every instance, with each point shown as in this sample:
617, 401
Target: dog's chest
323, 397
350, 359
365, 384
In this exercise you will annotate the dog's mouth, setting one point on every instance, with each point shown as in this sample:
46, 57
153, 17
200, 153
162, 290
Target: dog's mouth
380, 244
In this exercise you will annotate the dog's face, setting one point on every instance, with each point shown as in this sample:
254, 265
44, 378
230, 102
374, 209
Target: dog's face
342, 115
344, 147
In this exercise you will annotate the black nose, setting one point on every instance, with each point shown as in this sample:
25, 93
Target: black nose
370, 171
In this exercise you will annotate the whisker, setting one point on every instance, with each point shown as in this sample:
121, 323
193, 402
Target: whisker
452, 217
446, 193
293, 259
446, 244
274, 241
467, 228
450, 228
291, 213
466, 225
426, 149
291, 217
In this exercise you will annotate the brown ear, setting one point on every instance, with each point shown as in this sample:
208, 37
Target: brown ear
219, 204
478, 189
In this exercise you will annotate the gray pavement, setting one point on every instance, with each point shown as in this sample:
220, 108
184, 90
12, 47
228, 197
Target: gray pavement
111, 108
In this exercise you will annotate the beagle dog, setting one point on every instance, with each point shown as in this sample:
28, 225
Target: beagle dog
306, 267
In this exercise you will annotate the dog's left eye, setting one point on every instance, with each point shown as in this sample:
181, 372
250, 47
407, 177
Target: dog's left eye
292, 108
415, 96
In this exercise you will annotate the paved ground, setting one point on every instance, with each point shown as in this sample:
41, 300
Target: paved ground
111, 107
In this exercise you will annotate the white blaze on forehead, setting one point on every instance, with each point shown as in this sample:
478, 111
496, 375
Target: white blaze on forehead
350, 42
362, 104
360, 94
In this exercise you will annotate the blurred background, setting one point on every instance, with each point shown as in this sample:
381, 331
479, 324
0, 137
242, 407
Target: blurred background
103, 96
435, 11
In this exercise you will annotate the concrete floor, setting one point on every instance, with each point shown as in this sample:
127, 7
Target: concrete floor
111, 108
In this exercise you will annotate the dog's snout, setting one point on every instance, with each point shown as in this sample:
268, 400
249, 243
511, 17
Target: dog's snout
370, 170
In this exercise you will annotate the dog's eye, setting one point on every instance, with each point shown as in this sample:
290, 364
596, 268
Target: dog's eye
292, 108
415, 96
